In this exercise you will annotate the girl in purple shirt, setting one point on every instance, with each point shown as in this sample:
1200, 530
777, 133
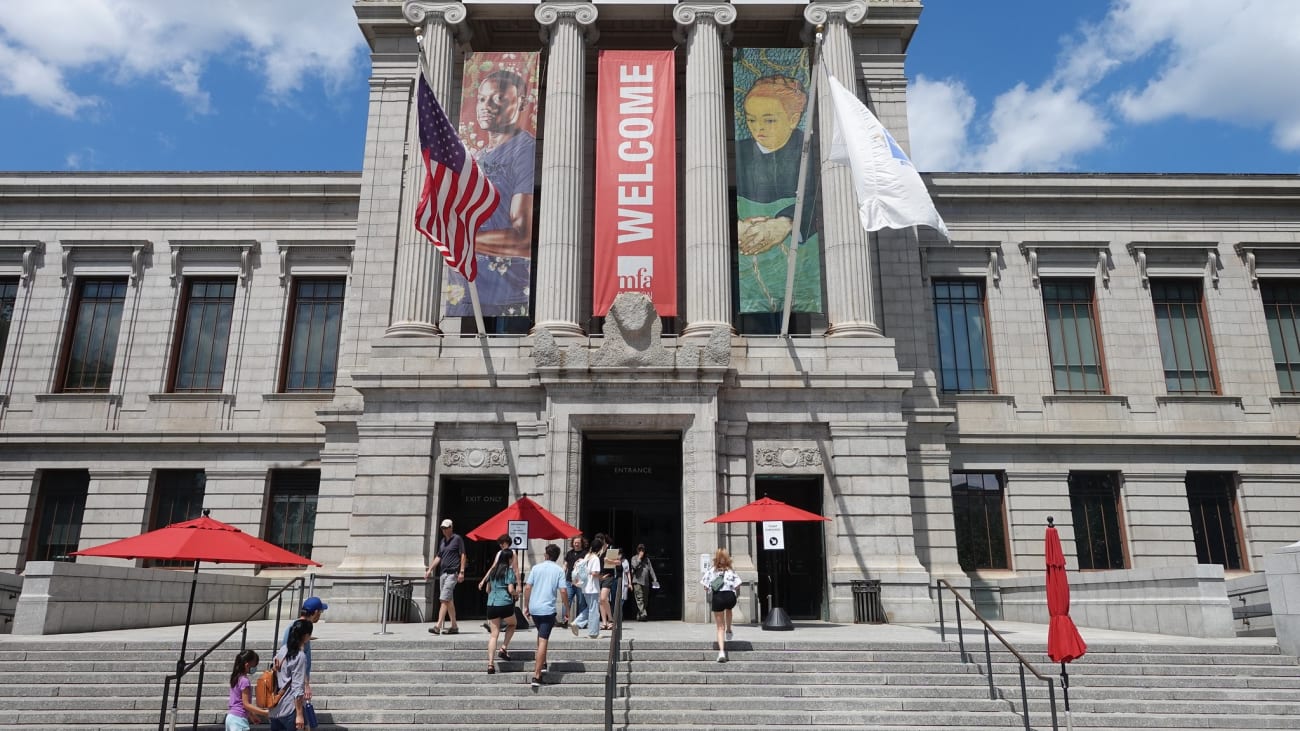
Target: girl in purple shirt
242, 709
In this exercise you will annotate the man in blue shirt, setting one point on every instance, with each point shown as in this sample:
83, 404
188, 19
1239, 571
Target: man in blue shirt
311, 611
545, 581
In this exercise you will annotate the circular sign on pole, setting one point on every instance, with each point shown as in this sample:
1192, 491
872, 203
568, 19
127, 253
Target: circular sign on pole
518, 532
773, 535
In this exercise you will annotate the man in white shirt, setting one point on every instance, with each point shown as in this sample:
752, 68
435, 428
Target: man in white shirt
545, 581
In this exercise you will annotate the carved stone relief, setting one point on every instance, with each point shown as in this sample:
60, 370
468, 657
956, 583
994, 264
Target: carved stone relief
474, 458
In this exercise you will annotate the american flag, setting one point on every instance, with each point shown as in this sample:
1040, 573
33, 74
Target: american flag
456, 197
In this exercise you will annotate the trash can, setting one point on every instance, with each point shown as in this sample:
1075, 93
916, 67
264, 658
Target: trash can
866, 602
398, 602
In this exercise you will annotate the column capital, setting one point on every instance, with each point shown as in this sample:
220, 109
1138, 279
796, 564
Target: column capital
422, 12
688, 13
553, 13
851, 12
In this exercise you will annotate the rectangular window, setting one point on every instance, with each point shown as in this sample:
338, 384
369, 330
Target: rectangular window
963, 345
977, 509
292, 520
1184, 341
1212, 498
1281, 300
312, 352
8, 296
203, 335
1072, 339
95, 318
56, 526
1094, 505
178, 496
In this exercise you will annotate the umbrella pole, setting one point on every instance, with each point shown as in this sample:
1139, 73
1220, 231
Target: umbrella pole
185, 638
1065, 690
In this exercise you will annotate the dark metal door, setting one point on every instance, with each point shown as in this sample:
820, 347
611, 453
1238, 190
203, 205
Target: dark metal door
795, 577
469, 502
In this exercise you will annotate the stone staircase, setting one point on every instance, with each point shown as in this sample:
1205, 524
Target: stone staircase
772, 683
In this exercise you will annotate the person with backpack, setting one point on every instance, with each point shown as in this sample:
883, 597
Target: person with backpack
722, 583
588, 570
577, 608
291, 678
241, 710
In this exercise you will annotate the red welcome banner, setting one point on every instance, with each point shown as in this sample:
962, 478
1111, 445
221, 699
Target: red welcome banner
636, 180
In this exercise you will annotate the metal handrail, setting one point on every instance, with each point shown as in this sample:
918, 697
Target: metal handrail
615, 642
960, 600
201, 660
1244, 612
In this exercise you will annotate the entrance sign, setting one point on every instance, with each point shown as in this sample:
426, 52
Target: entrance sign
636, 180
771, 97
518, 532
773, 535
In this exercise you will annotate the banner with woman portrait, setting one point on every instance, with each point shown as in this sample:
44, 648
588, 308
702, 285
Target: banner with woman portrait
771, 102
498, 124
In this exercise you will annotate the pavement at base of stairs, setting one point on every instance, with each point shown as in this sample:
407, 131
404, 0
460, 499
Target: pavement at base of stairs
1031, 637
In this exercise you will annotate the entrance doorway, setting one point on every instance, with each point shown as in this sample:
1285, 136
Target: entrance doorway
632, 490
469, 501
800, 569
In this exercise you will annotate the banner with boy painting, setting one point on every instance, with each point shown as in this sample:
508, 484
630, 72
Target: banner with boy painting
771, 100
498, 124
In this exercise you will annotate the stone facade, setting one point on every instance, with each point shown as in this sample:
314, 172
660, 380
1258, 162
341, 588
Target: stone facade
855, 405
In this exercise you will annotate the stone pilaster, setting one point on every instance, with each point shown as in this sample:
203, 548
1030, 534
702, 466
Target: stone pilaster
850, 307
708, 215
417, 287
565, 28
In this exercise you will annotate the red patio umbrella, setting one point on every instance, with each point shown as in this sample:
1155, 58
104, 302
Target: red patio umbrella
201, 539
767, 509
542, 523
1063, 641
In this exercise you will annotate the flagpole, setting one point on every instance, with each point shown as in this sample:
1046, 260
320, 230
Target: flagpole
796, 229
478, 310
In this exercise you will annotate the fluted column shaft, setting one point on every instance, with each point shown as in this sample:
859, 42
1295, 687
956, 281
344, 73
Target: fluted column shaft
559, 231
850, 306
708, 215
417, 279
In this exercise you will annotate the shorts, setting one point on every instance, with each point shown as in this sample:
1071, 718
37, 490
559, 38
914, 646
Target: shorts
723, 600
544, 624
501, 612
607, 582
446, 587
236, 723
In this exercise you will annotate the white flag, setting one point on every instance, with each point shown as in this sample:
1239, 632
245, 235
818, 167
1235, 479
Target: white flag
891, 193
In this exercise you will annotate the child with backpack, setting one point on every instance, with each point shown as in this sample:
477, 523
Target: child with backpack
242, 710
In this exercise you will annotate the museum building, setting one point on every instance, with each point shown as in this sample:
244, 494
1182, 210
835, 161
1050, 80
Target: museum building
1119, 351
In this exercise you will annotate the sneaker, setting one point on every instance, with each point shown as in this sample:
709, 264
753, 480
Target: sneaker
729, 635
573, 627
503, 654
435, 631
451, 631
722, 657
546, 667
535, 682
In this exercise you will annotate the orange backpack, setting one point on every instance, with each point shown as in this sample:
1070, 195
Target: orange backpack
265, 693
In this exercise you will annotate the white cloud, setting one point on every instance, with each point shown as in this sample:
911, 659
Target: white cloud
42, 44
1040, 129
938, 114
1230, 62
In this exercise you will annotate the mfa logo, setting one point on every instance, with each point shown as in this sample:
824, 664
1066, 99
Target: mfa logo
636, 273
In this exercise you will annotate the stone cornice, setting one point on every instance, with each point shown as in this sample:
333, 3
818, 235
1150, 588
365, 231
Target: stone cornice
1053, 186
128, 186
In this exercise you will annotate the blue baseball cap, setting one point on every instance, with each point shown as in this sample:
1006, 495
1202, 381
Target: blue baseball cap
314, 604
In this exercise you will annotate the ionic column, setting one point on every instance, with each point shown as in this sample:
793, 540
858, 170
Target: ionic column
417, 281
850, 306
708, 215
565, 28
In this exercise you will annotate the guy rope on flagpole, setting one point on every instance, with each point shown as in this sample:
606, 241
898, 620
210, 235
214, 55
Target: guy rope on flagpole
796, 231
464, 204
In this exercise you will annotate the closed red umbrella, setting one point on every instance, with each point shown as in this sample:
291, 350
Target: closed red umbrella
542, 523
1063, 641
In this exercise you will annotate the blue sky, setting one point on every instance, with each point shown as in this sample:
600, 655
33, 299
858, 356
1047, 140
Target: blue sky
1005, 85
